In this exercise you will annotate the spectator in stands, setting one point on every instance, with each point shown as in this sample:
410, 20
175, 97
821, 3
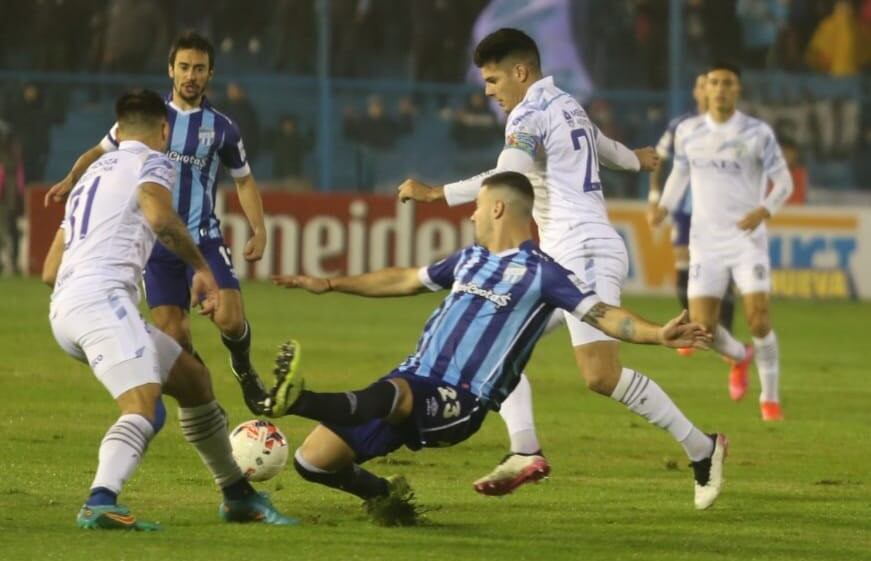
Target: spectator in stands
11, 198
290, 147
651, 40
374, 133
761, 21
240, 109
31, 118
797, 170
840, 46
137, 32
474, 125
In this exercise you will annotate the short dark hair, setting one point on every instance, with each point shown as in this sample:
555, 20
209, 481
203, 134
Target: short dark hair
139, 108
513, 180
504, 43
725, 65
195, 41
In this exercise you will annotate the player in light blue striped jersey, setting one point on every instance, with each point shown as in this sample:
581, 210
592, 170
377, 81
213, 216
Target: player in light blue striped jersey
201, 137
471, 354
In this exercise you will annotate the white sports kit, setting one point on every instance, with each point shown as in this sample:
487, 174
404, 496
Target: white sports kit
549, 137
94, 314
729, 166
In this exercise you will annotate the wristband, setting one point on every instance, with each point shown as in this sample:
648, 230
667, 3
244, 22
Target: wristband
653, 197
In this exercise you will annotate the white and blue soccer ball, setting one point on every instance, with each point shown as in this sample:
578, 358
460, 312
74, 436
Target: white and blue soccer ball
260, 449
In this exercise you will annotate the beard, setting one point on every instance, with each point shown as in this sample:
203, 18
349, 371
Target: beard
183, 90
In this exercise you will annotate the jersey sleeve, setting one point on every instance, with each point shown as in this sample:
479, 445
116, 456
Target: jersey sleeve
110, 141
772, 157
158, 169
563, 289
679, 147
665, 146
440, 275
232, 152
525, 132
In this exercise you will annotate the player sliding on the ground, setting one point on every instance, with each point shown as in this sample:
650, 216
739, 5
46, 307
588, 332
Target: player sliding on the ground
549, 137
470, 356
121, 204
727, 158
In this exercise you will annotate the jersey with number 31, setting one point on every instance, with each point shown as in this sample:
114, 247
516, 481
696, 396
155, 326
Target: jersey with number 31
106, 238
552, 127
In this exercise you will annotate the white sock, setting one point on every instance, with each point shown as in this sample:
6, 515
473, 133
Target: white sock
726, 344
644, 397
768, 365
121, 451
516, 411
205, 426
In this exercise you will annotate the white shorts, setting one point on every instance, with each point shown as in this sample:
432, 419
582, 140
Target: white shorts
748, 263
603, 264
110, 335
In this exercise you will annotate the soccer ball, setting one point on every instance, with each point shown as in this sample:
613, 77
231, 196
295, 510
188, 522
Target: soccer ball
259, 448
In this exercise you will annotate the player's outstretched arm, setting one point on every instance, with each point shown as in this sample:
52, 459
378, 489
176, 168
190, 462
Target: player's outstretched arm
252, 206
626, 326
53, 259
393, 281
156, 204
59, 190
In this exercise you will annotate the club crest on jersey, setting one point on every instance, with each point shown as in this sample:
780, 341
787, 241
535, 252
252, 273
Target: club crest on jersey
206, 136
513, 273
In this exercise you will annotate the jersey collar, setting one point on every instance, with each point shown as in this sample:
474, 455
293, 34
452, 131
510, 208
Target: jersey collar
539, 84
730, 121
204, 104
132, 145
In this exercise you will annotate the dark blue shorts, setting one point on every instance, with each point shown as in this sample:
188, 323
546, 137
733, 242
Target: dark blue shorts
442, 415
680, 228
168, 279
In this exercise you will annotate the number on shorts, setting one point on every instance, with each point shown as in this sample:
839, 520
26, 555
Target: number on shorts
452, 407
225, 253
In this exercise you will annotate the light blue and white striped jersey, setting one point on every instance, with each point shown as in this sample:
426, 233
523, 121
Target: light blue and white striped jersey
199, 139
482, 335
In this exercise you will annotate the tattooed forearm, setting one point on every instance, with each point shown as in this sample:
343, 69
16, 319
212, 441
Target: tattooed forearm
626, 329
174, 236
596, 313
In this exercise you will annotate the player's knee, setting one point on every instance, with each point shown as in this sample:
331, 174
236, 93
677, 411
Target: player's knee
230, 321
189, 382
179, 333
601, 378
759, 324
304, 468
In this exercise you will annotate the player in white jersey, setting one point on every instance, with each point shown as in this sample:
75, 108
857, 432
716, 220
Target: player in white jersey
681, 218
115, 212
549, 137
729, 158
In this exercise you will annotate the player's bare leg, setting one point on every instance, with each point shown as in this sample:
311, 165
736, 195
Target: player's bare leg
706, 310
757, 309
600, 365
176, 323
236, 336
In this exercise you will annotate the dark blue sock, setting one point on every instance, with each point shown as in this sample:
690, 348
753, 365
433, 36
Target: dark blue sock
238, 490
100, 496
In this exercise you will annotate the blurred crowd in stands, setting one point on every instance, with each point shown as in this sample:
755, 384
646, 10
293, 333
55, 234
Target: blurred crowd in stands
623, 44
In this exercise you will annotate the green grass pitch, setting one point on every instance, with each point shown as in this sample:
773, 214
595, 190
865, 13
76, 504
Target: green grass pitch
619, 490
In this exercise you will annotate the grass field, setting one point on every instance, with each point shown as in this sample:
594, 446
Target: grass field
796, 490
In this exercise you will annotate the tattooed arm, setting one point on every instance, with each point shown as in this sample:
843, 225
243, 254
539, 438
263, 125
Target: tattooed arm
626, 326
156, 204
